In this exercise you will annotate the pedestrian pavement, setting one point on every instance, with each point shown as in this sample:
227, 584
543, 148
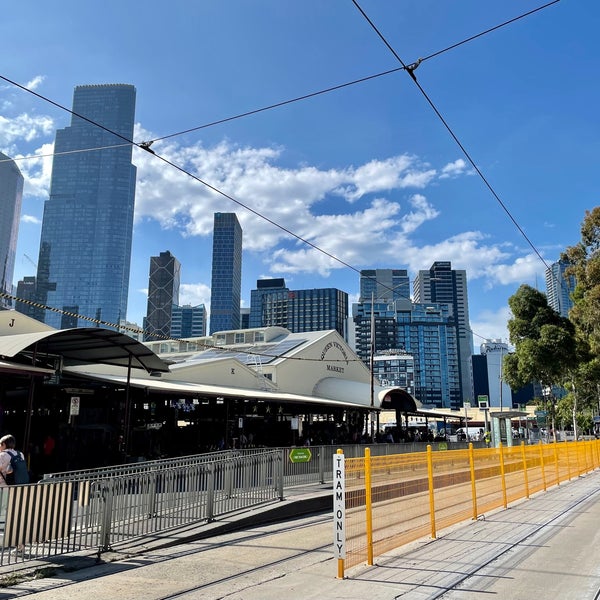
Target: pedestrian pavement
458, 563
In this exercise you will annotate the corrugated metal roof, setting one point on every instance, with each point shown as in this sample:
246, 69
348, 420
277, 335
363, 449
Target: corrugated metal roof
84, 345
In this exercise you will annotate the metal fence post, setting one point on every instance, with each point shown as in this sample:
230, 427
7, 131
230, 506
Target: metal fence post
368, 506
542, 464
105, 525
525, 477
321, 465
473, 486
502, 475
279, 457
431, 490
210, 492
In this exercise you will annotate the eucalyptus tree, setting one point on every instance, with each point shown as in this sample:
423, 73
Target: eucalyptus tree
545, 343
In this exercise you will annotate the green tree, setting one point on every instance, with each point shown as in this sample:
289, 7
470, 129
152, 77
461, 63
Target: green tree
584, 266
546, 348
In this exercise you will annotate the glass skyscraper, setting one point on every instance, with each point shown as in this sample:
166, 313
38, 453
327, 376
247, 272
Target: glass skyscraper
559, 288
11, 195
188, 321
226, 285
85, 246
387, 321
273, 304
442, 284
163, 293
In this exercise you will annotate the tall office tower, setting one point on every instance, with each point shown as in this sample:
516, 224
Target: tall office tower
188, 321
559, 288
426, 332
11, 196
26, 294
244, 318
498, 391
384, 284
85, 246
163, 293
443, 284
264, 288
273, 304
226, 286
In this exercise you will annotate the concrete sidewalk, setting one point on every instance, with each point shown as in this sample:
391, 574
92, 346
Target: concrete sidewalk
471, 559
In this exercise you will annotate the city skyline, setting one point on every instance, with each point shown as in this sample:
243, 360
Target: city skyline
366, 172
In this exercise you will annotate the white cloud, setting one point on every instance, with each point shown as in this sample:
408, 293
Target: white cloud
35, 82
522, 269
194, 294
24, 127
490, 325
31, 219
37, 171
454, 169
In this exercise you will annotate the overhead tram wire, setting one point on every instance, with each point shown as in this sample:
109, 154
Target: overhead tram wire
52, 154
410, 70
277, 104
355, 81
146, 145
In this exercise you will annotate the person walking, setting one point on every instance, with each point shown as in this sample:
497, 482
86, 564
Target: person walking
7, 452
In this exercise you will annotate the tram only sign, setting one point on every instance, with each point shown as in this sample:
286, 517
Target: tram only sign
300, 455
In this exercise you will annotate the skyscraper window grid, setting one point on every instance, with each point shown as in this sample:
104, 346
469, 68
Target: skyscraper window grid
87, 227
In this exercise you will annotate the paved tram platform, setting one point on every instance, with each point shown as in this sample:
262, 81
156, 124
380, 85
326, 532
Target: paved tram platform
548, 544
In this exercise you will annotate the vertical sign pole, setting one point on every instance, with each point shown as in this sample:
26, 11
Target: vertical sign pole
339, 511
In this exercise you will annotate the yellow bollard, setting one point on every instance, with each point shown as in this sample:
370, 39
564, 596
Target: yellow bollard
369, 506
525, 476
502, 475
473, 487
431, 496
554, 445
542, 465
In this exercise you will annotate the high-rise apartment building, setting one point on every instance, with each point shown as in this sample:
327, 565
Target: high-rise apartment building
395, 368
85, 246
163, 293
442, 284
188, 321
559, 288
384, 284
226, 286
11, 195
424, 331
319, 309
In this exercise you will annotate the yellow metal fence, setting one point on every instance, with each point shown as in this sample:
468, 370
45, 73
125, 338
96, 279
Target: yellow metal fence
396, 499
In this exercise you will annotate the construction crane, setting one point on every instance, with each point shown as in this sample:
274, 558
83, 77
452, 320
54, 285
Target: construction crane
30, 260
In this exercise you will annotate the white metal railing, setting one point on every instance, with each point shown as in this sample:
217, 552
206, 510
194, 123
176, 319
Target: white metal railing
58, 515
97, 508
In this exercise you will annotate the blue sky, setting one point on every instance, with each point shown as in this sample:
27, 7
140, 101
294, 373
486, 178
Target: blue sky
368, 173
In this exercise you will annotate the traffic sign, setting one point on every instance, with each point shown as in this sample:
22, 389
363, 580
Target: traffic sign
300, 455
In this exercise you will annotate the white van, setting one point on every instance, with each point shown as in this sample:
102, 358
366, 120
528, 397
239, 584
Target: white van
472, 433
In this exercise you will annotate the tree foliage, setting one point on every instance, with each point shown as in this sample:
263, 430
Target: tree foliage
584, 261
545, 343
